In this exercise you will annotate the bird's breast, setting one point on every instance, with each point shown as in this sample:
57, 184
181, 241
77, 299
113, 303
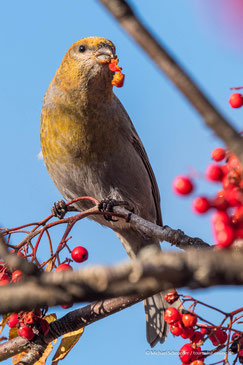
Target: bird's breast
76, 138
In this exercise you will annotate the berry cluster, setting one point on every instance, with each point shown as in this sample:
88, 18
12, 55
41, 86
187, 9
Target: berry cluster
29, 324
227, 220
185, 325
6, 275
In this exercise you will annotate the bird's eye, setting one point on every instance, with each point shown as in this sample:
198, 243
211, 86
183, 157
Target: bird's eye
81, 49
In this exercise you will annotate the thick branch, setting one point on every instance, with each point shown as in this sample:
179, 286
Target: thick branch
212, 117
72, 321
152, 272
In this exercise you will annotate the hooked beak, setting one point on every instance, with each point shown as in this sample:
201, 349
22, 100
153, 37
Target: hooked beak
104, 55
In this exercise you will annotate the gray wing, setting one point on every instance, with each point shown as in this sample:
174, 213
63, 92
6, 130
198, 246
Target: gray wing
137, 143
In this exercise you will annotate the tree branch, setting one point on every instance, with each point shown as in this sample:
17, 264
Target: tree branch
175, 237
152, 272
72, 321
124, 14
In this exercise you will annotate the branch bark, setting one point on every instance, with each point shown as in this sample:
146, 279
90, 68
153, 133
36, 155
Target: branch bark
72, 321
144, 277
152, 272
175, 237
124, 14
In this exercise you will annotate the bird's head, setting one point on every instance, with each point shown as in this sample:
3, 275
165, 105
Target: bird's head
85, 67
92, 51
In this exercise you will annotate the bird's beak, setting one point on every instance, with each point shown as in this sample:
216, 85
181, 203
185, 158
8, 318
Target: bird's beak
104, 55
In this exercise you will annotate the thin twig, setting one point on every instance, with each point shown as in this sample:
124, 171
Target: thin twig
124, 14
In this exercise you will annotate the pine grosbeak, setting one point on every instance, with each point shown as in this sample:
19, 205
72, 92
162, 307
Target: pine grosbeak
90, 147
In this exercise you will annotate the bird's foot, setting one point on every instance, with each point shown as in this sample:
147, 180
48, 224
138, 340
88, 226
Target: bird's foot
59, 209
107, 205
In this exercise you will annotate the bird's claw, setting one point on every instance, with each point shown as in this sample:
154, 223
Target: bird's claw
107, 205
59, 209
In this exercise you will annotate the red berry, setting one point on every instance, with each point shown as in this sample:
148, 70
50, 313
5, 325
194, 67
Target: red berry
197, 337
225, 237
64, 267
4, 276
114, 67
241, 356
218, 227
172, 315
44, 326
4, 282
189, 320
234, 197
17, 276
225, 169
182, 185
218, 337
201, 205
205, 330
238, 215
197, 362
226, 184
187, 332
218, 154
235, 336
19, 253
236, 100
214, 173
175, 329
220, 217
118, 79
233, 163
220, 202
26, 332
13, 320
66, 306
171, 296
234, 177
187, 353
29, 318
239, 233
79, 254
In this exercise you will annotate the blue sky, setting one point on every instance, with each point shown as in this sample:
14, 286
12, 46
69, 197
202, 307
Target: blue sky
34, 38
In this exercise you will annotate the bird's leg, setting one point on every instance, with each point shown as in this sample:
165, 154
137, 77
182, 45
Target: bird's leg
60, 208
107, 205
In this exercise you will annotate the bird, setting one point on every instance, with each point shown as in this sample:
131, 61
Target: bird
91, 148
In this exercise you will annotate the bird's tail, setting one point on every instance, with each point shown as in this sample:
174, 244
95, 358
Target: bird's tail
155, 306
156, 328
